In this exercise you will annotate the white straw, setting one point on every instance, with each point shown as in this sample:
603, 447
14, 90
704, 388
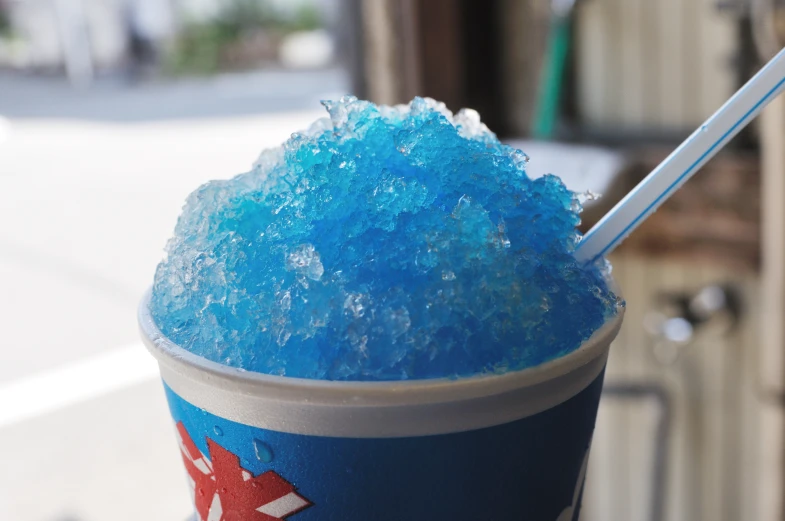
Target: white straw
678, 167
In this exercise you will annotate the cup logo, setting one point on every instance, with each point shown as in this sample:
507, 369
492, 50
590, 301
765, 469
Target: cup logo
224, 491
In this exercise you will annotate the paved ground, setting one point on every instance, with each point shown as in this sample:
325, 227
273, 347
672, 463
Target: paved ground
113, 99
91, 183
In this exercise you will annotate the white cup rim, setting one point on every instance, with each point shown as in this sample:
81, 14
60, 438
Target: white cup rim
176, 359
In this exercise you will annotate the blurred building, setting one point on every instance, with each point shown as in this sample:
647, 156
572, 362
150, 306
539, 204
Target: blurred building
85, 37
629, 67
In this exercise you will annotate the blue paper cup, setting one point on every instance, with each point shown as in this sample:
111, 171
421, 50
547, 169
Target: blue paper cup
509, 447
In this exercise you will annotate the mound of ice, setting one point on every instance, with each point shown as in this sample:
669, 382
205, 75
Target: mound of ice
383, 243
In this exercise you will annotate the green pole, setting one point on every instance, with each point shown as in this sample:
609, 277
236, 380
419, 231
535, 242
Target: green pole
549, 93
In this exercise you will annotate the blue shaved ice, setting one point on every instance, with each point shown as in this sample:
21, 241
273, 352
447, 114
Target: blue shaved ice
383, 243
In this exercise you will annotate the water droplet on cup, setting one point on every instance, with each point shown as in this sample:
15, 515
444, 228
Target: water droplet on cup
218, 431
263, 451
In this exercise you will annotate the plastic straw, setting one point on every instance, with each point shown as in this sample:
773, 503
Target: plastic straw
682, 164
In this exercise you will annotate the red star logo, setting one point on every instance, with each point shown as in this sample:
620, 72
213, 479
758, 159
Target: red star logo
224, 491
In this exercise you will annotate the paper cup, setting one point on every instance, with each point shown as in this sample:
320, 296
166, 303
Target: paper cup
511, 447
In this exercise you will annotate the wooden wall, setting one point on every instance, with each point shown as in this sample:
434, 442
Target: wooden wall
715, 450
649, 65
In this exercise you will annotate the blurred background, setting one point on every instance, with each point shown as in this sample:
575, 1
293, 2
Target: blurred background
112, 111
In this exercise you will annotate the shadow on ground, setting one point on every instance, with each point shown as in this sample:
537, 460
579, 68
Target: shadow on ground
115, 99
